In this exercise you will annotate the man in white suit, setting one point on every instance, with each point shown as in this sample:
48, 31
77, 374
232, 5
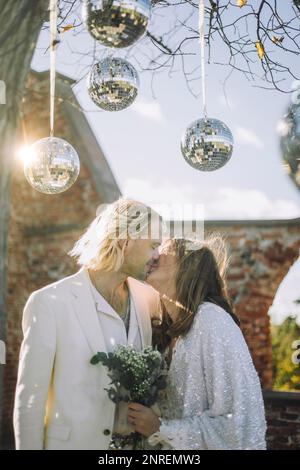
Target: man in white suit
60, 399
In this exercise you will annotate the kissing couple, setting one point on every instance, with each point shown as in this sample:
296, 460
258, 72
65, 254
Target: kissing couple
134, 288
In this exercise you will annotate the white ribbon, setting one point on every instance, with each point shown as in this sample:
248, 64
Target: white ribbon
53, 38
202, 52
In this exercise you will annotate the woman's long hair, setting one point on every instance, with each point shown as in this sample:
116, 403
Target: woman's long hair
200, 278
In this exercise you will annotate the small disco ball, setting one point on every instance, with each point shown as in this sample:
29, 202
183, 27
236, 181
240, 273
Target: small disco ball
289, 131
113, 84
51, 165
116, 23
207, 144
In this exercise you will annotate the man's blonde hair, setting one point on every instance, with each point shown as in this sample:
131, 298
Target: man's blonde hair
99, 247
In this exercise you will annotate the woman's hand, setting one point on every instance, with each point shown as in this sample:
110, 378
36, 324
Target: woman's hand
143, 419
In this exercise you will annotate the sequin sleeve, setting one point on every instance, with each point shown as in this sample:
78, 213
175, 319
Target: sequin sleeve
234, 415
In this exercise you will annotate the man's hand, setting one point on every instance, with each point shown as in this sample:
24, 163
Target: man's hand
143, 419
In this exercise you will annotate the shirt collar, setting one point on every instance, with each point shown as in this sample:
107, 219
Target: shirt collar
101, 303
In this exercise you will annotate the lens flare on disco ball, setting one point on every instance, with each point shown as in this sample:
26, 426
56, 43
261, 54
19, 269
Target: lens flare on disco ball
51, 165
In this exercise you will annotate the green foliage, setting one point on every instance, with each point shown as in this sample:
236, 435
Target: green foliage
135, 376
284, 342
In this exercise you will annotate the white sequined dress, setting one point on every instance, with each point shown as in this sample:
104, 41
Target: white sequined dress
213, 398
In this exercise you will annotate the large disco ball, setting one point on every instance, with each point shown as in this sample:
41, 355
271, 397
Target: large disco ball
113, 84
207, 144
116, 23
289, 131
51, 165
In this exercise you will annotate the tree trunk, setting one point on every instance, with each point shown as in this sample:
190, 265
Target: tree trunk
20, 24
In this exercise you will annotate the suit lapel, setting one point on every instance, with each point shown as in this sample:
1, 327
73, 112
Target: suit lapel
86, 313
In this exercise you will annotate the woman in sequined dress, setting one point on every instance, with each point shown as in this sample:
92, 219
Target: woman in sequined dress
213, 398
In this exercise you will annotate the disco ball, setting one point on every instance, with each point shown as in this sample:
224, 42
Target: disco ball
289, 131
116, 23
207, 144
51, 165
113, 84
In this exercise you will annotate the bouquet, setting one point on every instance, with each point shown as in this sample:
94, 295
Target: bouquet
136, 376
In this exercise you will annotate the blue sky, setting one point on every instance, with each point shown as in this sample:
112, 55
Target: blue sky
142, 143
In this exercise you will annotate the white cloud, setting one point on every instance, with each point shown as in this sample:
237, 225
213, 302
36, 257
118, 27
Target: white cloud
149, 109
220, 203
245, 136
248, 204
167, 192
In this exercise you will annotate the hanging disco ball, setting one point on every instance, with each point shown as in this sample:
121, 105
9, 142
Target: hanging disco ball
113, 84
116, 23
289, 131
51, 165
207, 144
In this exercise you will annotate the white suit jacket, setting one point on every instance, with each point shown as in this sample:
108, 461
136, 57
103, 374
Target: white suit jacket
60, 399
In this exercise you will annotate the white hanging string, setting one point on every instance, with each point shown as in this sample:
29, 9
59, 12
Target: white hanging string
202, 52
53, 43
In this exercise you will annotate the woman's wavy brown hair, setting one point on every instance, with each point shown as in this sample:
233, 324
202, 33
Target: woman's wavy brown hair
200, 277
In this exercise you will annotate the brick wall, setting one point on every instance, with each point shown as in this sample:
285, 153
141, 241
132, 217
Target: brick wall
261, 254
283, 418
42, 229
